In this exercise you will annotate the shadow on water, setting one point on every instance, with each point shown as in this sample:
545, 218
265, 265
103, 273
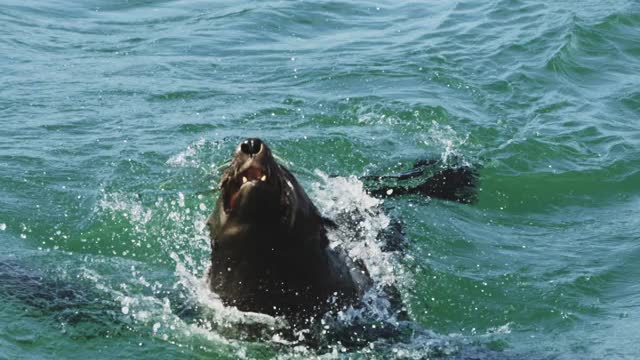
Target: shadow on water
80, 310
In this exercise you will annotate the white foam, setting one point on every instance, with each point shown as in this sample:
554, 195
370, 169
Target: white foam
154, 313
188, 157
500, 330
371, 118
3, 227
338, 197
125, 204
426, 345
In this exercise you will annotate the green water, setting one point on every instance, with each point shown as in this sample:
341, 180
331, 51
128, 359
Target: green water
115, 116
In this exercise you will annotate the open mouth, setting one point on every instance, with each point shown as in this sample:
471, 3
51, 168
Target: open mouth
249, 177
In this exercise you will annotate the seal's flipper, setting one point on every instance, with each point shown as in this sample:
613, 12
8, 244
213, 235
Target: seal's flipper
417, 170
453, 184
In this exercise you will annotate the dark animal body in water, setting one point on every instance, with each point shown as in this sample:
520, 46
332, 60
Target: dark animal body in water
270, 250
457, 183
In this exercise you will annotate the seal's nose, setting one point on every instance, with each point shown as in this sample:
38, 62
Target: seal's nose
251, 146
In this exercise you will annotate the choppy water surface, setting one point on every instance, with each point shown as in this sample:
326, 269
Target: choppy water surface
115, 116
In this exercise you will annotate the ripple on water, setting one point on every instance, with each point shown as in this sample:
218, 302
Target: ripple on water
117, 115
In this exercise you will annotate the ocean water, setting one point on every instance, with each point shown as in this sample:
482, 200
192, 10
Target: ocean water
115, 117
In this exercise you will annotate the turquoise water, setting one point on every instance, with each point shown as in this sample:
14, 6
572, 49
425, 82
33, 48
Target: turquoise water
116, 115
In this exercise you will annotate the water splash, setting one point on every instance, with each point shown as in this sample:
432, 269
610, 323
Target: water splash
123, 203
445, 138
197, 288
189, 156
360, 221
179, 307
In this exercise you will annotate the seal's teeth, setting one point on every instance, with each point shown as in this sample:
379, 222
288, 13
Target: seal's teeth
244, 179
264, 178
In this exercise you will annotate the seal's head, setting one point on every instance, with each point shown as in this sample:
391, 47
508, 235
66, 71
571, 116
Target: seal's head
260, 196
270, 249
250, 182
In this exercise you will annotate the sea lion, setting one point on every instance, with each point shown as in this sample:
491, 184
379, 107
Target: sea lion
270, 252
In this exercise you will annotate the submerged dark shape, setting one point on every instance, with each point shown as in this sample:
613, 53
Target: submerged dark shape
270, 250
445, 182
80, 311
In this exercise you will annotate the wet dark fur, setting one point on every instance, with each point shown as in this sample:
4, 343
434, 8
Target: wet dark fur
441, 181
270, 250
